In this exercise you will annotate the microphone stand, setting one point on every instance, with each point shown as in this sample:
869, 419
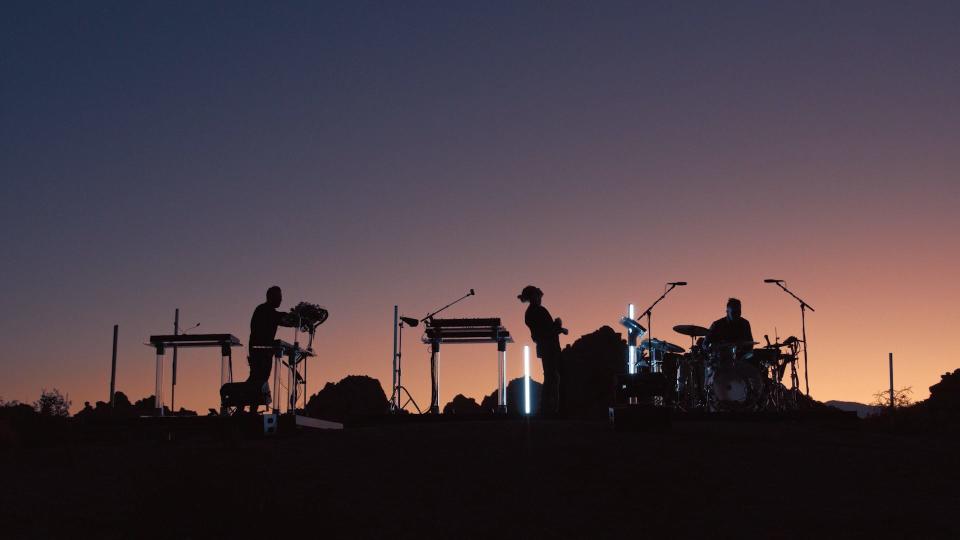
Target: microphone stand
398, 388
803, 325
648, 313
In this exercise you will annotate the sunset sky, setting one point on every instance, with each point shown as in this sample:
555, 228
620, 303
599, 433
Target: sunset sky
162, 155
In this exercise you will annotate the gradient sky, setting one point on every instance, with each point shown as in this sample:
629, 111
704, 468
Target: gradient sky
162, 155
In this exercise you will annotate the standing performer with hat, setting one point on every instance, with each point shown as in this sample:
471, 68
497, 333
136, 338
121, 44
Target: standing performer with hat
545, 332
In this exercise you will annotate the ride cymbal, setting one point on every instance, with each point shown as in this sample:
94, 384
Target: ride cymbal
690, 330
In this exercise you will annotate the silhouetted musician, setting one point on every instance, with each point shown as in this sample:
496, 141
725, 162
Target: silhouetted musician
545, 332
263, 332
731, 329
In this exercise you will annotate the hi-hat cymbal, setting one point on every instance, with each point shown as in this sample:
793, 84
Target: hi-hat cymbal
690, 330
661, 345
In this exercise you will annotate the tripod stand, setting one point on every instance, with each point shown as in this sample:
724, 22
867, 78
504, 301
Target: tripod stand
398, 388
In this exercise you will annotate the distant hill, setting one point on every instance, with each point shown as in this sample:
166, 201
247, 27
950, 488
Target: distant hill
861, 409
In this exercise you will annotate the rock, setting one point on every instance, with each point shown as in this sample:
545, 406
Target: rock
463, 406
589, 367
945, 395
354, 397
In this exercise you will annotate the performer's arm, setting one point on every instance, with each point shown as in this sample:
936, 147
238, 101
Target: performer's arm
711, 336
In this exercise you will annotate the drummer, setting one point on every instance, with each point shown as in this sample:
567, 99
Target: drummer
732, 329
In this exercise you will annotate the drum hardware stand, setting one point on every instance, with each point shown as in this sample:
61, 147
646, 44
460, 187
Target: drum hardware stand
398, 388
803, 324
435, 349
312, 332
794, 379
294, 374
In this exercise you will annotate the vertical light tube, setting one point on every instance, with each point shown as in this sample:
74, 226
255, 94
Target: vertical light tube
224, 370
502, 383
632, 348
435, 405
526, 379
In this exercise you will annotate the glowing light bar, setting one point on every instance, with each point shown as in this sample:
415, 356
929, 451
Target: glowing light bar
634, 330
526, 379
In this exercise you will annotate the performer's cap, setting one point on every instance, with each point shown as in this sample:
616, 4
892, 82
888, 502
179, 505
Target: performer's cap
529, 292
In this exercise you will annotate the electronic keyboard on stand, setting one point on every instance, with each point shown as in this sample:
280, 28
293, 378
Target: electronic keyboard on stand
479, 330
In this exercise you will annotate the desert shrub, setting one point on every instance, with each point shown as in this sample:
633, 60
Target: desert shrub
53, 403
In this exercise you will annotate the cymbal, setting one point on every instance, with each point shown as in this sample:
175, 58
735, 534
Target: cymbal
665, 346
690, 330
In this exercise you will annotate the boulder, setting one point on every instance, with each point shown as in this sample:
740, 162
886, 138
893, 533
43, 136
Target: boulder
354, 397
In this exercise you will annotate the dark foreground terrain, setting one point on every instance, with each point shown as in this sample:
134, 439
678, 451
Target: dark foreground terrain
494, 479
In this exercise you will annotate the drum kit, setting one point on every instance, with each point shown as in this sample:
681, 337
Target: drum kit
734, 377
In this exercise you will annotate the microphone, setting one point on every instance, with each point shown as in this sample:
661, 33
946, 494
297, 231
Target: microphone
410, 321
773, 281
189, 329
472, 293
677, 283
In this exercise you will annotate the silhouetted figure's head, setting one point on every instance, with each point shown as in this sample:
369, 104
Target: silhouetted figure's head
733, 309
531, 294
274, 297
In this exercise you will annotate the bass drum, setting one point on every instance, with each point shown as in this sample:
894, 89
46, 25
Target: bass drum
734, 386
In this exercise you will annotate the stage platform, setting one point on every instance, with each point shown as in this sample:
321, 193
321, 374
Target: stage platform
170, 428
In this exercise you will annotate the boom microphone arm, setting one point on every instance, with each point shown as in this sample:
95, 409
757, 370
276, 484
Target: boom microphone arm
430, 316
